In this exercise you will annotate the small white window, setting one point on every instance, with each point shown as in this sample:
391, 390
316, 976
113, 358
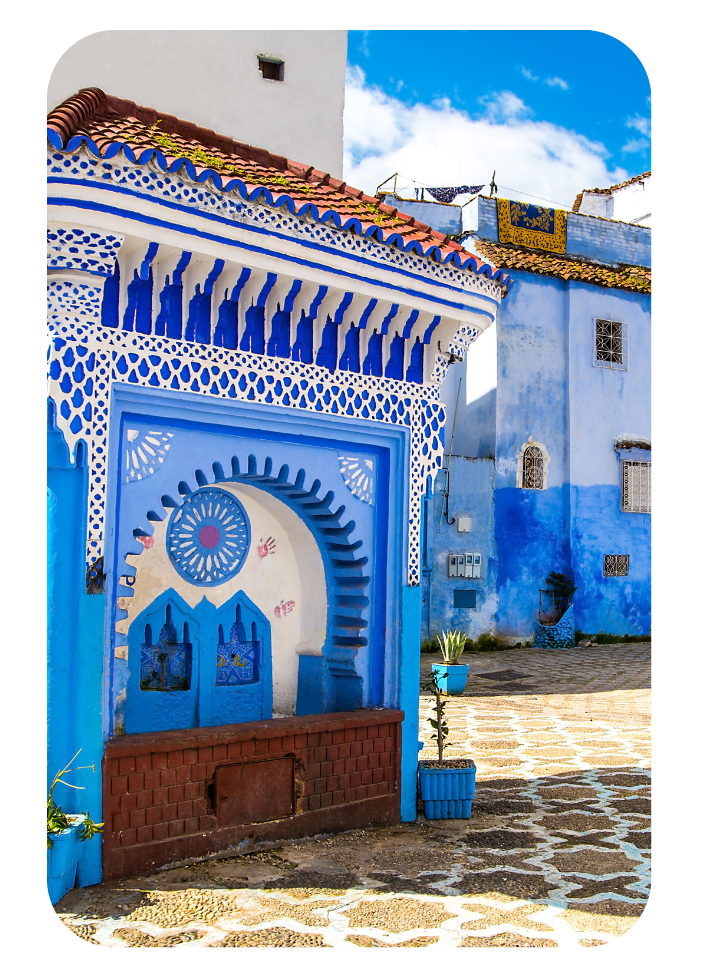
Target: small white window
611, 344
532, 466
636, 486
616, 565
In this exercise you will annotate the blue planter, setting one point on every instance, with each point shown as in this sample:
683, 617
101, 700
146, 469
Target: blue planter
447, 792
450, 678
62, 859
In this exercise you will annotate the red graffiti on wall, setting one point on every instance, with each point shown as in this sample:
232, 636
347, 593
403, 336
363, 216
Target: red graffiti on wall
147, 542
266, 547
284, 609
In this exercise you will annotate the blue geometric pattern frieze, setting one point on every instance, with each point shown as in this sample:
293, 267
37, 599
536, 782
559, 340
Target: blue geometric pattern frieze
358, 476
145, 451
166, 665
82, 249
209, 537
237, 662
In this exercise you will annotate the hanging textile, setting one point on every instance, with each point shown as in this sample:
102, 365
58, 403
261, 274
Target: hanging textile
532, 225
446, 195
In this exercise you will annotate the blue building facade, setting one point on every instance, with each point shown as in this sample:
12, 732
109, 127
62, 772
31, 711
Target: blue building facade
244, 418
560, 448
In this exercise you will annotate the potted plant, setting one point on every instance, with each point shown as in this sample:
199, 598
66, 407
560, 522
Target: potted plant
451, 675
65, 833
447, 785
555, 626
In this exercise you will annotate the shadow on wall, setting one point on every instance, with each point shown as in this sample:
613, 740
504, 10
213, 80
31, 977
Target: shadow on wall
478, 431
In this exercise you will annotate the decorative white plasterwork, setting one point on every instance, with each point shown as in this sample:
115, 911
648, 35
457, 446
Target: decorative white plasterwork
85, 358
120, 172
358, 475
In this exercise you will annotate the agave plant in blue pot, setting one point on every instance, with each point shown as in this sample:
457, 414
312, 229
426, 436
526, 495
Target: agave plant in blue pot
451, 675
447, 785
65, 833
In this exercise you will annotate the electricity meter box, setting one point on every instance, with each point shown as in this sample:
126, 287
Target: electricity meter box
467, 565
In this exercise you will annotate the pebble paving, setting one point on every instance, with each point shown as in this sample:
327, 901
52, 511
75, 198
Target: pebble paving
556, 853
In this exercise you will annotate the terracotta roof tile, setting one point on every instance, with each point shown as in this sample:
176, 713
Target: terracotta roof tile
103, 121
634, 278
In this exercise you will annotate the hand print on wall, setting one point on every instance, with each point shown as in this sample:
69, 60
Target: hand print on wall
266, 547
147, 541
284, 609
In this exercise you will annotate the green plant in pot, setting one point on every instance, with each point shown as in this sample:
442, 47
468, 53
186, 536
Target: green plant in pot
451, 675
447, 785
559, 590
65, 834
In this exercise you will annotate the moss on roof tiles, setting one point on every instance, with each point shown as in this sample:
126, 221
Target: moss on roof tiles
634, 278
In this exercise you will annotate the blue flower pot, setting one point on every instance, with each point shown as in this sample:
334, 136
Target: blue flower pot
450, 678
62, 859
447, 792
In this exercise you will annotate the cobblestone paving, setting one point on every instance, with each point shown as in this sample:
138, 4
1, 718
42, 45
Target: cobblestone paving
557, 852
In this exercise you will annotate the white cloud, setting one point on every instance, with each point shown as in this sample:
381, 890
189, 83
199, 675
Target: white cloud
635, 146
528, 74
439, 145
500, 107
557, 82
640, 123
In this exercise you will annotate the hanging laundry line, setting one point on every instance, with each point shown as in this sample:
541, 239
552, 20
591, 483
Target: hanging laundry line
446, 195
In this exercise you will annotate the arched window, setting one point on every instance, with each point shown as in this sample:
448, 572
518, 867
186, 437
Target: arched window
532, 466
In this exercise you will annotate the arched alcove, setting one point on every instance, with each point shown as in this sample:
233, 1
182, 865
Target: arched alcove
316, 666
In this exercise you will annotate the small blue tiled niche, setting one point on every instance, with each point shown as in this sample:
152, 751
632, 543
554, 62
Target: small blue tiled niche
192, 668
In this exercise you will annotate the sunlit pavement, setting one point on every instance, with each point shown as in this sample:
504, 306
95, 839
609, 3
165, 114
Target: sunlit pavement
557, 852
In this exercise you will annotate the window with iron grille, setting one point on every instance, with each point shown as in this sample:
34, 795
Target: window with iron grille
636, 485
616, 565
611, 344
533, 469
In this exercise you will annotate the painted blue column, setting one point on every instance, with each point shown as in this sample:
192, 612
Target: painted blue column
75, 623
409, 669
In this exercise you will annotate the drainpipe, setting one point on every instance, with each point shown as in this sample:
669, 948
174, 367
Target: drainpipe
425, 570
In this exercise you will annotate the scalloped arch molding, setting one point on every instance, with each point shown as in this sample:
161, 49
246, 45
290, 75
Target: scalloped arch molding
331, 682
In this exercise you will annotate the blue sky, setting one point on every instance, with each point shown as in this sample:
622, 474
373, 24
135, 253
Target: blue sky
571, 106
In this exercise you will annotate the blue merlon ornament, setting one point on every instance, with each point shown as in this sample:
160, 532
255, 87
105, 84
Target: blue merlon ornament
209, 537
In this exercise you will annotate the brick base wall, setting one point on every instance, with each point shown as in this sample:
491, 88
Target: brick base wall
159, 803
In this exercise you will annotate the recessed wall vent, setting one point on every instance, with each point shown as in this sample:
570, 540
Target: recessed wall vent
272, 68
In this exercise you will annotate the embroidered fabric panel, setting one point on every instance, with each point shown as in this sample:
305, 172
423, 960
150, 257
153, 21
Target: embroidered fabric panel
532, 225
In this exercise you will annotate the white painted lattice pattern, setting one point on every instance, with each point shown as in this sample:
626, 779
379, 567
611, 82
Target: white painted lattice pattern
85, 358
636, 490
206, 198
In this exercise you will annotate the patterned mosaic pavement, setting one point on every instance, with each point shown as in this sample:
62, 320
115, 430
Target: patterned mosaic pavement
557, 852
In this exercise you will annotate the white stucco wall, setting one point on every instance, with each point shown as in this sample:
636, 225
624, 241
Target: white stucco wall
634, 203
291, 573
211, 78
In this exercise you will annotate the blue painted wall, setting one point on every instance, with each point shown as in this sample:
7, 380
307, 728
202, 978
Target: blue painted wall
471, 495
549, 389
442, 217
75, 635
588, 237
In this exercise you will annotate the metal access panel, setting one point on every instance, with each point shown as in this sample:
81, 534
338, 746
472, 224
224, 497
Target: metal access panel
464, 599
456, 566
253, 792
